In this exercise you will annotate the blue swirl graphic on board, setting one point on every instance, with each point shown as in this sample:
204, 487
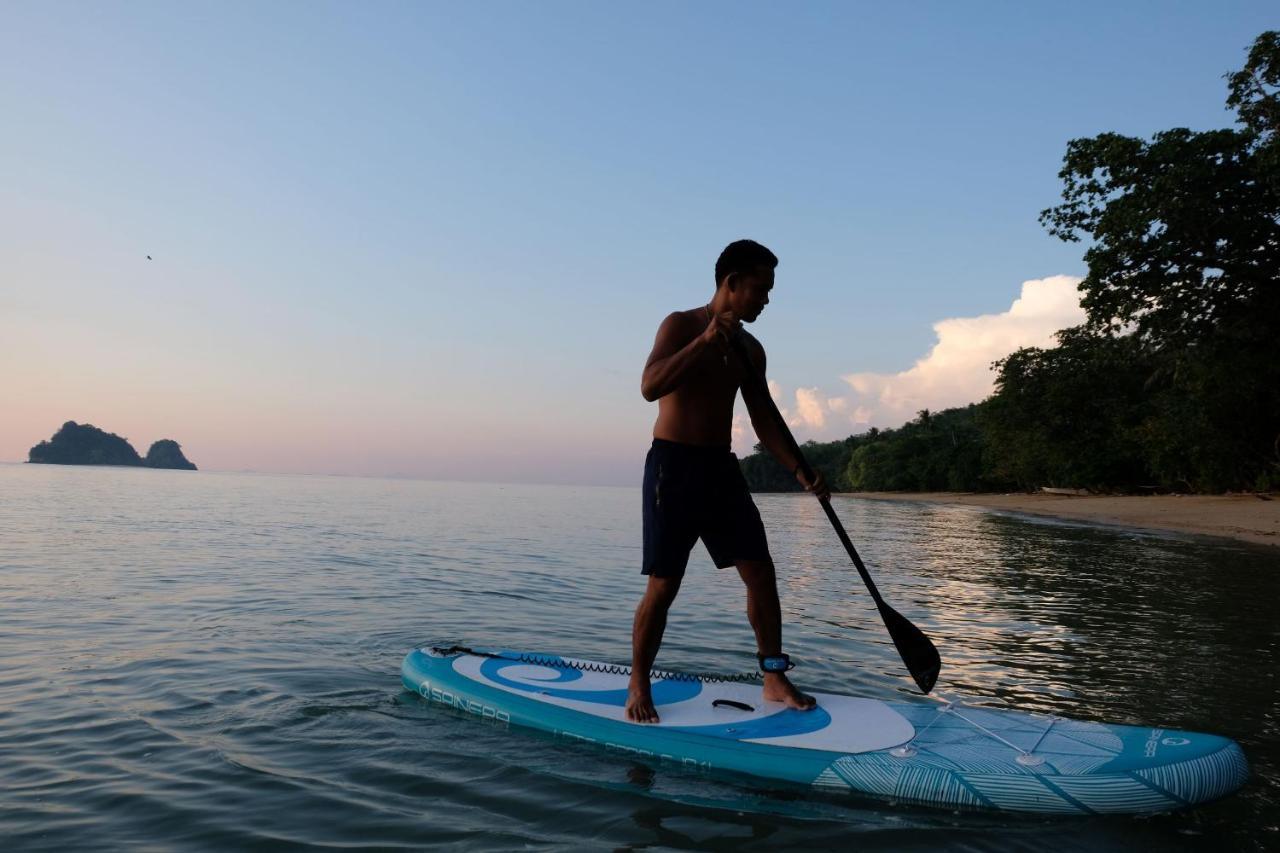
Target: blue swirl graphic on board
784, 723
665, 692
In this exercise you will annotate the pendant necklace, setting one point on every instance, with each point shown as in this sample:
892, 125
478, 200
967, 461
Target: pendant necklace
723, 355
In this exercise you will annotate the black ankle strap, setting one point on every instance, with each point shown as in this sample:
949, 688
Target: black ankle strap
775, 663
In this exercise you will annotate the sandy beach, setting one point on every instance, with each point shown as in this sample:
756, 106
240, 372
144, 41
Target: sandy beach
1244, 517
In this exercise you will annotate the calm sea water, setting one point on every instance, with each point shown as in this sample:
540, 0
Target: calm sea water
211, 661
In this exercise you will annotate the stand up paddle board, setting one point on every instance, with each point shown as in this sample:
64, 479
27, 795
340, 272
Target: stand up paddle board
946, 754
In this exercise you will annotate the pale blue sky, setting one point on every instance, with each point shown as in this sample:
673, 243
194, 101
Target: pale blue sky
435, 240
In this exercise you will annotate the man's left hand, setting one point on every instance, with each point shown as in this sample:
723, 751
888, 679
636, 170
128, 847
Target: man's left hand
818, 486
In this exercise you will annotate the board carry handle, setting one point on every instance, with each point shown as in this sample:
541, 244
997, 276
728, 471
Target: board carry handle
731, 703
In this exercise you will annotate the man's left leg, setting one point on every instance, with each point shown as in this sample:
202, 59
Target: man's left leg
765, 613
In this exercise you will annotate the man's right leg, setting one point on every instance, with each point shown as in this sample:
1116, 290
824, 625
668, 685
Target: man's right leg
646, 638
765, 615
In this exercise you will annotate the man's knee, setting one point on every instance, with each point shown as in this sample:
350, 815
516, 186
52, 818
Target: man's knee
661, 592
756, 572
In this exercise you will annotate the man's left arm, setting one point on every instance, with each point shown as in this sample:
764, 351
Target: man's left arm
765, 421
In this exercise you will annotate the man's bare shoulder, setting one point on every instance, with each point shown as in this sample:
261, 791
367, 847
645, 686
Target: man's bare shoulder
676, 330
682, 323
692, 316
753, 344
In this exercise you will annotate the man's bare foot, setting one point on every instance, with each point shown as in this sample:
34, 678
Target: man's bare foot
778, 688
639, 705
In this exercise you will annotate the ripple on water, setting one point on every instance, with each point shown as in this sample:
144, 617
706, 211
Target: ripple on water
212, 661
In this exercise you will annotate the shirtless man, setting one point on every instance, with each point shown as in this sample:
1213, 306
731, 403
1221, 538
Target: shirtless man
693, 486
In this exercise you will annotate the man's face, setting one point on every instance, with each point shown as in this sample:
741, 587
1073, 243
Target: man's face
751, 294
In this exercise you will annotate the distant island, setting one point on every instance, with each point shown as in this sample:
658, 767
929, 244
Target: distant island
85, 444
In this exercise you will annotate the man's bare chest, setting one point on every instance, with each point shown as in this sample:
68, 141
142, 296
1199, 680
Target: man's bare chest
717, 374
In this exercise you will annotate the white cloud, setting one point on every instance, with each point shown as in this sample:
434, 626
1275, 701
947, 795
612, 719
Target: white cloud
738, 435
810, 410
957, 370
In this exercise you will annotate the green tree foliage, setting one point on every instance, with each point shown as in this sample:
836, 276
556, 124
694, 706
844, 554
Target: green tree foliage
1185, 259
766, 474
940, 451
1173, 380
84, 444
1255, 96
1069, 415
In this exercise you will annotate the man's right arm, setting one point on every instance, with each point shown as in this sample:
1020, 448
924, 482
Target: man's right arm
674, 353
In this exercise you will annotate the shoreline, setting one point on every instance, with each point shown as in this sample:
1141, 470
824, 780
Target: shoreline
1245, 518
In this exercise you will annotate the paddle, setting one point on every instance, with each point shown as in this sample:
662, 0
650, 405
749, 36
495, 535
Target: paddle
917, 651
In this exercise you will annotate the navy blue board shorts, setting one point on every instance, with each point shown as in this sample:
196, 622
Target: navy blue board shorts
693, 492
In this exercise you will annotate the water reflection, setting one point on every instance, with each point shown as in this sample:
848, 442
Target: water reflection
212, 661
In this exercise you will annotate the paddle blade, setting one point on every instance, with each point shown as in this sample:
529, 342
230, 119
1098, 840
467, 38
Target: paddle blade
917, 650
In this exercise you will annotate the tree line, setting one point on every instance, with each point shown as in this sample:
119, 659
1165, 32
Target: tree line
1173, 380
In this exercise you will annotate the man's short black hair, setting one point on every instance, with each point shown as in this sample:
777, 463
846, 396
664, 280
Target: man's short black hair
743, 256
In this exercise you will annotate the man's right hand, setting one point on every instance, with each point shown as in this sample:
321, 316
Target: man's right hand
720, 327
